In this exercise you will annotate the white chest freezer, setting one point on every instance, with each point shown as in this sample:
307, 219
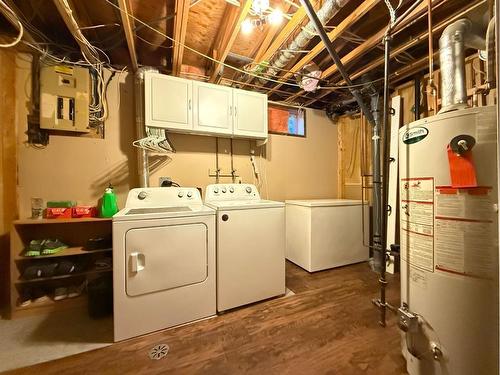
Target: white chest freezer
325, 233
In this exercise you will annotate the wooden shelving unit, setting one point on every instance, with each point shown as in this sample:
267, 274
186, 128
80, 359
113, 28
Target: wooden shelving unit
74, 233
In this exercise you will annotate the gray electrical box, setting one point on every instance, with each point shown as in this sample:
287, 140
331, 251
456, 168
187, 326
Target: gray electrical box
64, 98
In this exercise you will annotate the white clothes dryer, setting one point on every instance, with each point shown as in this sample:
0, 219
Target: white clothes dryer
164, 261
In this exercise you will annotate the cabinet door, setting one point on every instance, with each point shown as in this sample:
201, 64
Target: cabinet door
168, 102
213, 108
250, 114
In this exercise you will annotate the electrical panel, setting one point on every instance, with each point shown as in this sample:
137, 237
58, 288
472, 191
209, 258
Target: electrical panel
64, 98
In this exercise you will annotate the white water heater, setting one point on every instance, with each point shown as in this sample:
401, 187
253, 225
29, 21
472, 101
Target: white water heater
449, 243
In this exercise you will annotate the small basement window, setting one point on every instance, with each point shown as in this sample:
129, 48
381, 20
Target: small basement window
286, 120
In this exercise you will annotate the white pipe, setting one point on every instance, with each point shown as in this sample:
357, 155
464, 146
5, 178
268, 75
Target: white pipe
142, 154
490, 56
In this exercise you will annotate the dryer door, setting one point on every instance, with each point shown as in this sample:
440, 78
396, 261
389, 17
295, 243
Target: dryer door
166, 257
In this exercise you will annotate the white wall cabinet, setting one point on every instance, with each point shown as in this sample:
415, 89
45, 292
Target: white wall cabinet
250, 114
193, 107
213, 108
168, 102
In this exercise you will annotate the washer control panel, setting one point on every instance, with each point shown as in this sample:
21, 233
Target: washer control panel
162, 197
231, 192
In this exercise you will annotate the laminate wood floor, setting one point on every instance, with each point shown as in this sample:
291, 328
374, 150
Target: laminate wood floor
328, 327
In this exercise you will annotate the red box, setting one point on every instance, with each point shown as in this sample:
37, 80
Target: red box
58, 212
84, 211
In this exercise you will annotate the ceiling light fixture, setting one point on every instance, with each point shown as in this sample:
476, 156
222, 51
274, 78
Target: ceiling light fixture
246, 26
260, 6
276, 17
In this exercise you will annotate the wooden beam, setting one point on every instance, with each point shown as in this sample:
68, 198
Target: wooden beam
346, 23
366, 46
227, 42
65, 9
127, 23
180, 28
271, 33
400, 49
415, 40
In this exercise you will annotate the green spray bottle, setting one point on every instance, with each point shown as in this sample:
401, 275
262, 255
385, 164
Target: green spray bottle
109, 204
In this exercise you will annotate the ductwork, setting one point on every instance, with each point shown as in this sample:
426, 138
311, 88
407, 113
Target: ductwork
327, 11
142, 155
452, 45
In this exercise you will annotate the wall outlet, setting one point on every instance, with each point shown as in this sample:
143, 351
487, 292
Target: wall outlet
165, 181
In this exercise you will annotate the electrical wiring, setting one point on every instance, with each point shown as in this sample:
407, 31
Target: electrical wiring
153, 44
196, 51
20, 27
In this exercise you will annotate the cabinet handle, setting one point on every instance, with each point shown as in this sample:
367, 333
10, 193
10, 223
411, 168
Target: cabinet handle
189, 104
235, 109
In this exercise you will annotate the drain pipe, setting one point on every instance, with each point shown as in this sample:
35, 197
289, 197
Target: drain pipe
452, 45
142, 154
381, 303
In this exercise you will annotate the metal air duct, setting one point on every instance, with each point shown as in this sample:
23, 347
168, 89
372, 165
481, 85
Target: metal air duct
452, 45
327, 11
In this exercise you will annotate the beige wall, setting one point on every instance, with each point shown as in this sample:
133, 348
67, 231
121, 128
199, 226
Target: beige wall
79, 168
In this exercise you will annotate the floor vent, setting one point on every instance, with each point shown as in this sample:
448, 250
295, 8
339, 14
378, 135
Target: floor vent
159, 351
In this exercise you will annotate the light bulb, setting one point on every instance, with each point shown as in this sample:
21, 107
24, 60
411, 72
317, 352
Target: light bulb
246, 26
260, 6
276, 17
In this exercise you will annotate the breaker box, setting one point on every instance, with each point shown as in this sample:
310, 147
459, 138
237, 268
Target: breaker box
64, 98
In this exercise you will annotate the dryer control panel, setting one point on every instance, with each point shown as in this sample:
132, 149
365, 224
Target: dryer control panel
231, 192
162, 197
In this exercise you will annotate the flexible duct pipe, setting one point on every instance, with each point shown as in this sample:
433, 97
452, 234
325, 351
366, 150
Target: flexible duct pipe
327, 11
142, 155
452, 44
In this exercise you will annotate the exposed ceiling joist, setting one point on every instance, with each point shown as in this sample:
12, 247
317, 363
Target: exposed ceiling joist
180, 28
271, 33
415, 40
332, 35
65, 9
285, 33
223, 46
127, 23
363, 48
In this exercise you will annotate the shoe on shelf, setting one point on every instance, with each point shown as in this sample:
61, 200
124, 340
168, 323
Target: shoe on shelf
76, 290
39, 270
39, 296
25, 297
103, 263
66, 267
53, 247
34, 248
60, 293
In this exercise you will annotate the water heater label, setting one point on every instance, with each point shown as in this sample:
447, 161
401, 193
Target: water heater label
415, 135
417, 221
465, 232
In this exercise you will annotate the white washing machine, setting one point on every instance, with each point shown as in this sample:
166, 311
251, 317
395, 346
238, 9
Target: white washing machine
164, 261
250, 245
